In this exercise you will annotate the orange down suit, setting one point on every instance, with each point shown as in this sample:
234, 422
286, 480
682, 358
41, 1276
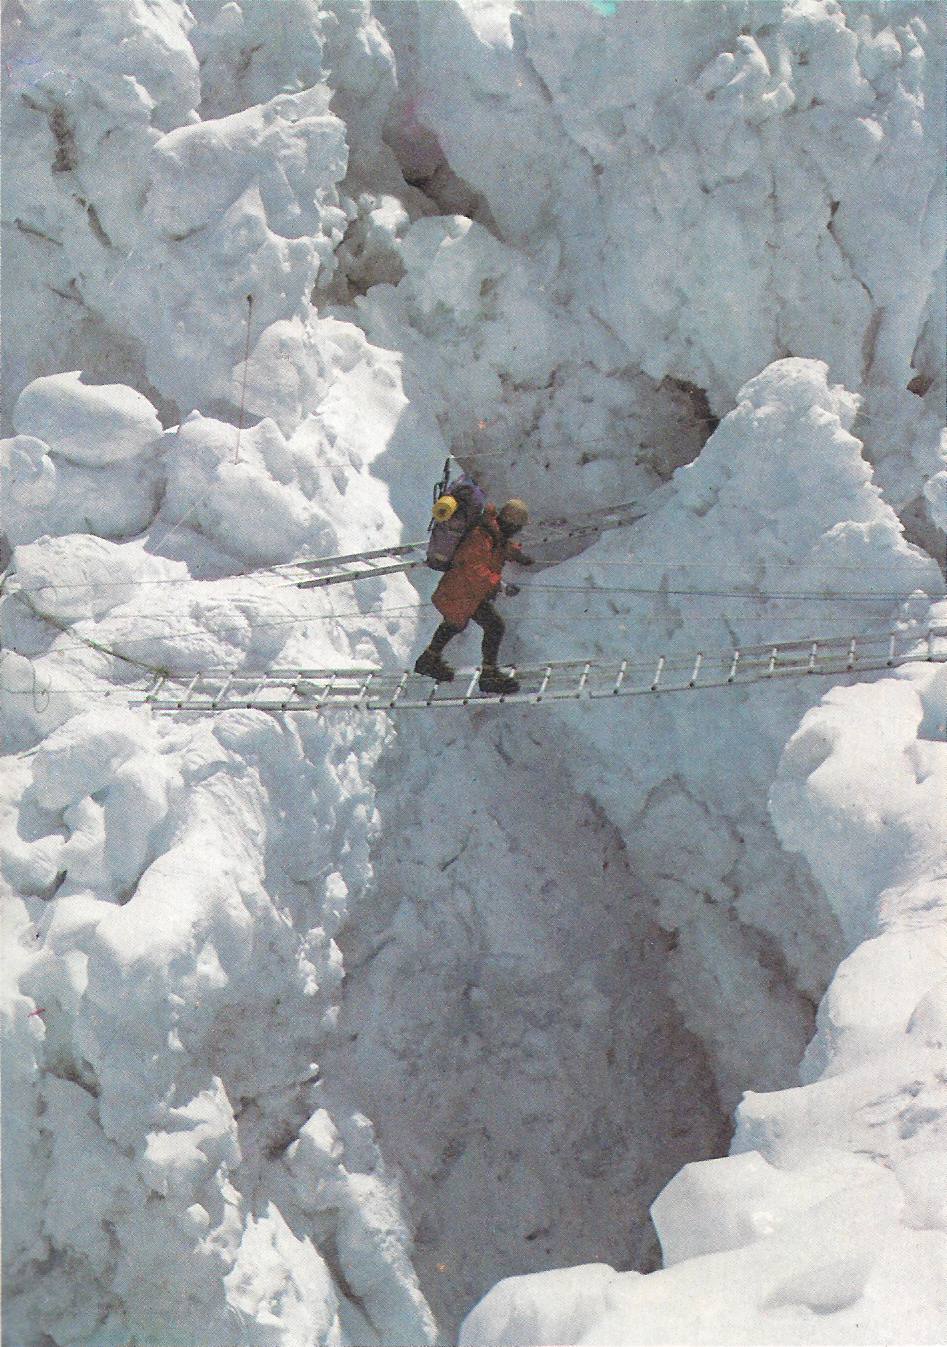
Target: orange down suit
476, 571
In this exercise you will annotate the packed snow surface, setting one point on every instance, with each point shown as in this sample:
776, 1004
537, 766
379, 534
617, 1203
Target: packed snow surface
344, 1029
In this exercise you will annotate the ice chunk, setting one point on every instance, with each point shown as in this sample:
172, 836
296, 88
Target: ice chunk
80, 576
543, 1307
82, 756
93, 424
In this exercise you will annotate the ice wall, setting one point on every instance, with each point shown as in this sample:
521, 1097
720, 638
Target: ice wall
828, 1221
690, 255
708, 188
174, 892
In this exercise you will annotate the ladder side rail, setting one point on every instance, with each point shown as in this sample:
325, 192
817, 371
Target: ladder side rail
303, 674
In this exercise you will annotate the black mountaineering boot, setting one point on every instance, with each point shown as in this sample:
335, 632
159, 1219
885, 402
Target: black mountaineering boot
432, 666
493, 679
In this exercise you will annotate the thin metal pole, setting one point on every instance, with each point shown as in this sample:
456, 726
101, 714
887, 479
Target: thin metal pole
243, 390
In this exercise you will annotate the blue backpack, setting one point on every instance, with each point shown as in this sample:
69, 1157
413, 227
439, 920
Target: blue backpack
457, 508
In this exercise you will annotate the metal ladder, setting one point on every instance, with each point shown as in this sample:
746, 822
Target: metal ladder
373, 689
382, 561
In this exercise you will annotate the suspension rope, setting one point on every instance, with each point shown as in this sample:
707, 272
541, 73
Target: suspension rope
192, 633
617, 563
195, 633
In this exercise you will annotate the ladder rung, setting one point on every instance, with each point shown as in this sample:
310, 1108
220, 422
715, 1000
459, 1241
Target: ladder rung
474, 679
223, 690
399, 689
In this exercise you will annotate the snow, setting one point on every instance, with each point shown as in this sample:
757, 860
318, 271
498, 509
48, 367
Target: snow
92, 426
832, 1191
318, 1027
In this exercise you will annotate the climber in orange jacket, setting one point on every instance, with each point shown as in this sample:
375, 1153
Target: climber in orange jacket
466, 590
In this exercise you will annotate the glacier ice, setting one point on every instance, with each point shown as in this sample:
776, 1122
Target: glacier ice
316, 1029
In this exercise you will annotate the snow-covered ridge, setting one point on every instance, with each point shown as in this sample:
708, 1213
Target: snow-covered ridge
316, 1028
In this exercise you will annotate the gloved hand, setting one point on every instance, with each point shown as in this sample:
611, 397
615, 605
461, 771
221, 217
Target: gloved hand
511, 590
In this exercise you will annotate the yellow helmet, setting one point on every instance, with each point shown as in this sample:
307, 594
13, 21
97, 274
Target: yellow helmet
514, 514
444, 508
